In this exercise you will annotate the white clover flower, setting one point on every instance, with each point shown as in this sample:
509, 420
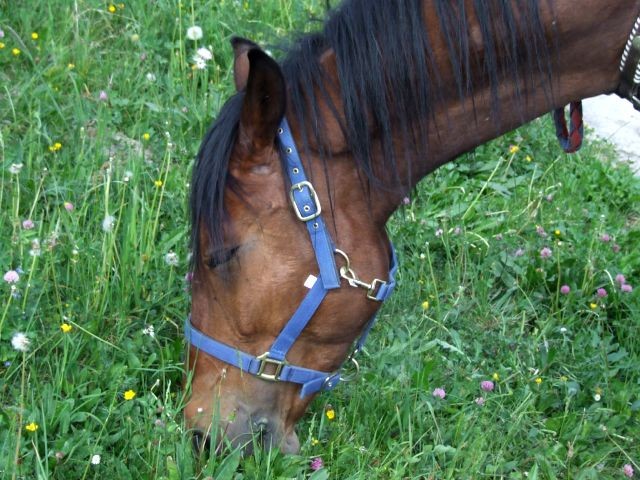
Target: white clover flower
199, 62
35, 251
149, 330
204, 53
127, 175
20, 342
15, 168
171, 259
151, 77
194, 33
108, 223
95, 459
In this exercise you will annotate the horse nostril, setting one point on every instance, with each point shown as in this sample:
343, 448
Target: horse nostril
261, 425
201, 442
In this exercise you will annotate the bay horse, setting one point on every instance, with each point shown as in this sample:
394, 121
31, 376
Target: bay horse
296, 178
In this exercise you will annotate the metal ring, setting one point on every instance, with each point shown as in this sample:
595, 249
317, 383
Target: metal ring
352, 376
306, 208
280, 131
296, 170
343, 255
289, 150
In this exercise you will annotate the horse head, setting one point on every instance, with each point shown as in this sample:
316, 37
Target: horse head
296, 178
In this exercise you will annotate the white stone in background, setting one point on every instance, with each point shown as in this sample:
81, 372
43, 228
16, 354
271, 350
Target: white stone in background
615, 120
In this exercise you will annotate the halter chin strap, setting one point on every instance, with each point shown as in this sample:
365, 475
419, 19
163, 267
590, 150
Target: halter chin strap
272, 365
629, 87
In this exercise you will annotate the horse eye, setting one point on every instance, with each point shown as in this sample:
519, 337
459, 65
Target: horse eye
221, 256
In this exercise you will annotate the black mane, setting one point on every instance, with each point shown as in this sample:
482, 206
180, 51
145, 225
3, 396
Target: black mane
389, 80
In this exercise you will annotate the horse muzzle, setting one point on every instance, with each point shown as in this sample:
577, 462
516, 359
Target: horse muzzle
248, 433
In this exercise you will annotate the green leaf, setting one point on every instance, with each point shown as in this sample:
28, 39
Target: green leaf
228, 466
321, 474
172, 469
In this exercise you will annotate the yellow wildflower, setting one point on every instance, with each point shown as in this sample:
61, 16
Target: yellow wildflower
314, 441
16, 51
528, 158
495, 376
158, 183
593, 306
129, 395
66, 328
331, 414
55, 147
112, 8
538, 380
564, 378
35, 36
71, 66
146, 135
425, 305
514, 149
1, 45
31, 427
557, 233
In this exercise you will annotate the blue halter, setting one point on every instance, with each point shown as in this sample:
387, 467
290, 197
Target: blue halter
272, 365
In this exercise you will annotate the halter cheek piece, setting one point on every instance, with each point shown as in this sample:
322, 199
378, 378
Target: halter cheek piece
272, 365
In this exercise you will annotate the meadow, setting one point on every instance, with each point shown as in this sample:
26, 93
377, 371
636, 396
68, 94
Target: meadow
511, 348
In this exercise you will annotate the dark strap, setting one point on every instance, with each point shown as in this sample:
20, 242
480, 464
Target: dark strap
570, 139
629, 87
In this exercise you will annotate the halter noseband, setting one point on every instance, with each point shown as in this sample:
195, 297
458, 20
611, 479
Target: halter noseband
272, 365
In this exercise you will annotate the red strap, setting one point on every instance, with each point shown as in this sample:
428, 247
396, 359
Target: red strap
570, 140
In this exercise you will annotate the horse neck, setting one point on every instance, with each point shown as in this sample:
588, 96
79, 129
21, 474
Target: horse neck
585, 49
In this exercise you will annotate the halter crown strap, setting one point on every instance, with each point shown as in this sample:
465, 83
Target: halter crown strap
307, 207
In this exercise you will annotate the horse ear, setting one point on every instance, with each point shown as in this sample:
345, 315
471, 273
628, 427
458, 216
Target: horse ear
264, 101
241, 47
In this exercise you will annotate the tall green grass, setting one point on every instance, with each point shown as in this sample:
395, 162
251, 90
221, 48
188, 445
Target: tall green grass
476, 300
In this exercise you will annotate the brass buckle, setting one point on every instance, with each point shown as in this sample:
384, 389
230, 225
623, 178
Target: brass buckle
312, 193
264, 361
374, 288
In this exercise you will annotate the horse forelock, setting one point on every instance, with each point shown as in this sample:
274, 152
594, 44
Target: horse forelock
210, 177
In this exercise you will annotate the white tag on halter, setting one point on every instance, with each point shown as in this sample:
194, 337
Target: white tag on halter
310, 281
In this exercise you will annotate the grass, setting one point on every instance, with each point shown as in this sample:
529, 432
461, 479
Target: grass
566, 368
